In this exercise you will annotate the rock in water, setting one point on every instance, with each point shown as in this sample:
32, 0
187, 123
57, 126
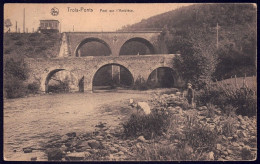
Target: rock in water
54, 154
27, 150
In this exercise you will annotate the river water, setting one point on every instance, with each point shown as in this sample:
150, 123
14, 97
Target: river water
34, 120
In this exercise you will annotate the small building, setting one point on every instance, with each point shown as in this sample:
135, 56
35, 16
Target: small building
49, 26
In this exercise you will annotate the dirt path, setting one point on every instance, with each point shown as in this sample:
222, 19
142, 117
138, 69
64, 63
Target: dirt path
33, 120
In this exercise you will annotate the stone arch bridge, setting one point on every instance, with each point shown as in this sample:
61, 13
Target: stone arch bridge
114, 41
85, 68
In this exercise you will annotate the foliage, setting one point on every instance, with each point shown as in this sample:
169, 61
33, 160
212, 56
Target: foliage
194, 141
199, 64
158, 152
33, 87
15, 73
246, 154
236, 51
14, 88
201, 138
229, 98
140, 84
149, 126
34, 45
8, 23
63, 86
228, 128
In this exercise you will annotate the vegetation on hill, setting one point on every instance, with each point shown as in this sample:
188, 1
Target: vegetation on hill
17, 46
192, 32
33, 45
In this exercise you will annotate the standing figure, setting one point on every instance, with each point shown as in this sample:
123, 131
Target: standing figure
190, 94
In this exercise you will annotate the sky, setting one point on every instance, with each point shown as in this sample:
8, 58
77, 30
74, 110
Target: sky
85, 17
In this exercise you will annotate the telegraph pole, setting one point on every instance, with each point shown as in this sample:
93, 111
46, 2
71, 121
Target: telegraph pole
23, 20
60, 27
16, 26
217, 35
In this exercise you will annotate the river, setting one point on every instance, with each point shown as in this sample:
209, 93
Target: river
33, 120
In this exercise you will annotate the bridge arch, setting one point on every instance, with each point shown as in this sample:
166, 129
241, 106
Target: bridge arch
144, 44
121, 65
91, 39
46, 77
163, 77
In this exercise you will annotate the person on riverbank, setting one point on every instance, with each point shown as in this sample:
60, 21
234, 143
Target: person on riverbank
190, 95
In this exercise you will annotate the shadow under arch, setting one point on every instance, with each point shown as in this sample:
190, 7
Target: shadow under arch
92, 39
162, 77
50, 74
148, 44
123, 70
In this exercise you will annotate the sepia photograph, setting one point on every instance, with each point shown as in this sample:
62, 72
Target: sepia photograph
129, 82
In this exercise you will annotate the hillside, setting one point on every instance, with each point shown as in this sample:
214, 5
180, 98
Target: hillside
34, 45
197, 23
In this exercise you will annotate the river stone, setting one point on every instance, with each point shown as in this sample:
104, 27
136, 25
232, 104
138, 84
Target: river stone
27, 150
64, 138
229, 151
138, 146
108, 136
54, 154
93, 144
71, 135
211, 156
202, 108
219, 147
77, 156
120, 153
141, 139
123, 149
113, 150
68, 143
235, 144
224, 152
116, 145
84, 144
240, 134
33, 158
99, 138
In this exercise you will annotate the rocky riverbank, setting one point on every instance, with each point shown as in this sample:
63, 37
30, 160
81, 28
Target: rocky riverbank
234, 138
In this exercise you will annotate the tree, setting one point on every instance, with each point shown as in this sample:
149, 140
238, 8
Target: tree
8, 24
198, 59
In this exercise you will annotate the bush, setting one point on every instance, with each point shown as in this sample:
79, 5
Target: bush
15, 73
149, 126
14, 88
194, 143
59, 88
228, 128
246, 154
155, 152
201, 138
229, 98
140, 84
33, 88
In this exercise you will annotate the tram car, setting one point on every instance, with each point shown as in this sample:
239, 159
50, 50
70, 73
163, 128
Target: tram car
49, 26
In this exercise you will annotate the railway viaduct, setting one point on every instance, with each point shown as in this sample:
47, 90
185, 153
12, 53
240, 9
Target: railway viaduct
85, 68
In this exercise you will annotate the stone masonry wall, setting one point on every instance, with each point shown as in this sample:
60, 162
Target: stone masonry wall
139, 66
